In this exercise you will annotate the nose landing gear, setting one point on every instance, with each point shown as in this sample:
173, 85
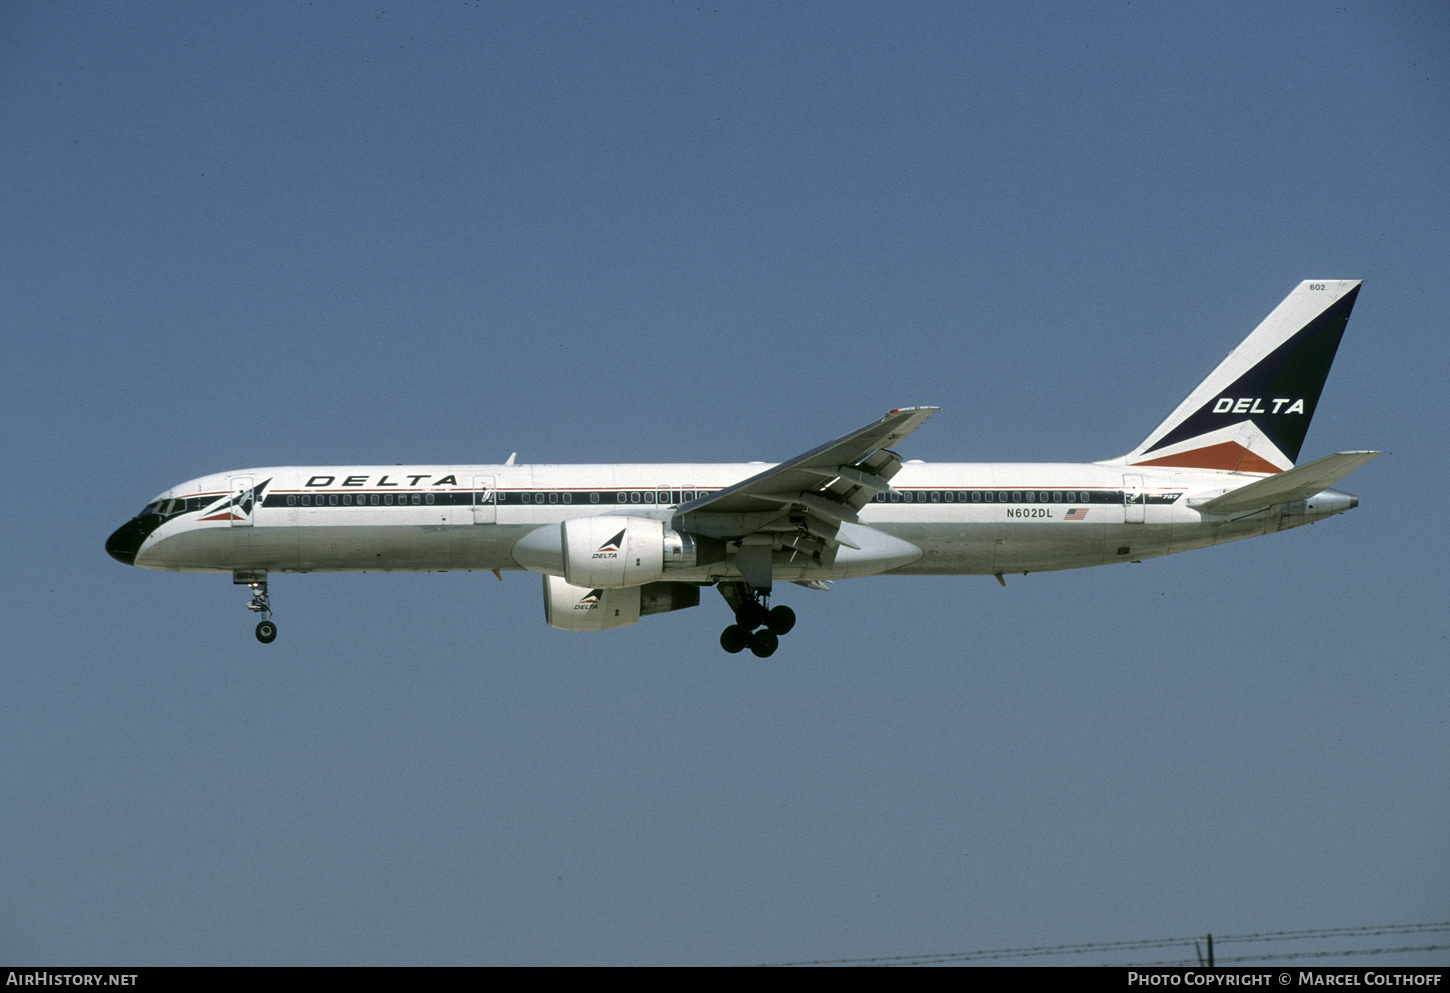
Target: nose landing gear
260, 603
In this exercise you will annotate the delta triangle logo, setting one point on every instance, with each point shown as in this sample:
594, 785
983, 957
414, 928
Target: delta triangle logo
613, 544
239, 506
590, 600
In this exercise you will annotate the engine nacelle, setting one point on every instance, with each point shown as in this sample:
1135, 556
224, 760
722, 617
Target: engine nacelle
614, 552
581, 608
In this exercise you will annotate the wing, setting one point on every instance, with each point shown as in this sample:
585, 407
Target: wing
802, 503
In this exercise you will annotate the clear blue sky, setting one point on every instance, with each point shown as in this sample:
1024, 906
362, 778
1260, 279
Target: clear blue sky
286, 233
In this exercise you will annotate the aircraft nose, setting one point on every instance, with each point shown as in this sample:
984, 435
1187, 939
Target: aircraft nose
126, 541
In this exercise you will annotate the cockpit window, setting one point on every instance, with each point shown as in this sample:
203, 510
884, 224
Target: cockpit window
165, 508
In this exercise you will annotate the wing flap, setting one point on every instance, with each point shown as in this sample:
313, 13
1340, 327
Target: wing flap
808, 506
829, 483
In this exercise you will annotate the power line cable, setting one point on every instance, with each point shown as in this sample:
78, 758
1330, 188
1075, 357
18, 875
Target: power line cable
1260, 960
1313, 934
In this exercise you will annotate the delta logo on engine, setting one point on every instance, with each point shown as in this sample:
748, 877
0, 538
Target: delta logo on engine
610, 549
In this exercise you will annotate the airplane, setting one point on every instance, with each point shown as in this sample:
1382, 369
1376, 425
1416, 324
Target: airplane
615, 543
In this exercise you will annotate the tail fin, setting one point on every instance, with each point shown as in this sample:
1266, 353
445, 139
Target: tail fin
1252, 412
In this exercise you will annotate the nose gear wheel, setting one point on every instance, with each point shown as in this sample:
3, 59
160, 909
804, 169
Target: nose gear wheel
261, 603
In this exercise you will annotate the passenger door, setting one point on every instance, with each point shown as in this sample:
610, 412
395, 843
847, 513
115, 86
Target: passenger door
485, 501
1134, 499
243, 501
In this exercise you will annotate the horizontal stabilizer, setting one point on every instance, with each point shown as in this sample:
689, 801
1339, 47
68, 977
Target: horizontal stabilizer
1298, 483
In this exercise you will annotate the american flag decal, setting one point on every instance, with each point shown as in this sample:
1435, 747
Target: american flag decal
1075, 514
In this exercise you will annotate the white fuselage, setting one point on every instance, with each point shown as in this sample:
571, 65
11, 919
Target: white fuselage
965, 519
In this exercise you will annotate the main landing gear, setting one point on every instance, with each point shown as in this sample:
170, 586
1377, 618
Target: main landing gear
260, 603
751, 613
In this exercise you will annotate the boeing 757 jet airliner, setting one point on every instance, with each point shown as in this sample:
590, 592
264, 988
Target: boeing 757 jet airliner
615, 543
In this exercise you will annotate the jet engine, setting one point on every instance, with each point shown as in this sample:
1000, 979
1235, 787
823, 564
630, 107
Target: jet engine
613, 552
582, 608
